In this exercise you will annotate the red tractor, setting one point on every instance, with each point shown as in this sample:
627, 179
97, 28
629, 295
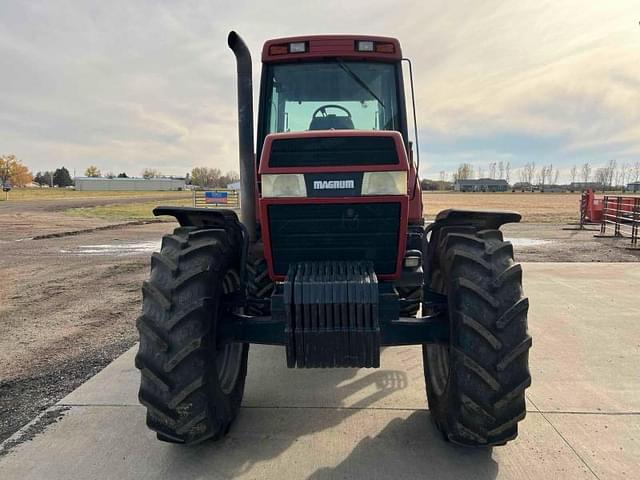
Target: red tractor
331, 257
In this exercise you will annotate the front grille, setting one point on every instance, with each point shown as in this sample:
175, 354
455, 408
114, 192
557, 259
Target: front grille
332, 151
343, 231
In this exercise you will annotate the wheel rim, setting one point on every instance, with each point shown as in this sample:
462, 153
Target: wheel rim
438, 358
438, 355
229, 356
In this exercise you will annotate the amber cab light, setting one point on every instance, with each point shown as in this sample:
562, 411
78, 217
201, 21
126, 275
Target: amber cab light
385, 48
278, 49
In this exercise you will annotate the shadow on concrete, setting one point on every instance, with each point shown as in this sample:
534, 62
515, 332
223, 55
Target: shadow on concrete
412, 448
263, 434
275, 437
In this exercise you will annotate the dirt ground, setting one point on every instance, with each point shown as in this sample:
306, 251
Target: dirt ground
68, 304
558, 208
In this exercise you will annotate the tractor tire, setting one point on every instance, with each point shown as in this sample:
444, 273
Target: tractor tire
475, 385
259, 285
414, 295
192, 387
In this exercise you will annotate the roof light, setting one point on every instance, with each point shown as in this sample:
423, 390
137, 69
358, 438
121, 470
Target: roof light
385, 48
298, 47
278, 50
364, 46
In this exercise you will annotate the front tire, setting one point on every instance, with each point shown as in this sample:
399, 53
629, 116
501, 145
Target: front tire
475, 385
259, 286
191, 386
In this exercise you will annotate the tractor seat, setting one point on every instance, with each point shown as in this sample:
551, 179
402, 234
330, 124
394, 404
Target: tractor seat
331, 121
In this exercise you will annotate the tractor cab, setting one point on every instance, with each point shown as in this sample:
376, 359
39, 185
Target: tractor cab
332, 148
331, 83
356, 88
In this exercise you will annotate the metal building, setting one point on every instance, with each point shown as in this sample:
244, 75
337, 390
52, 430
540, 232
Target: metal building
481, 185
633, 187
129, 184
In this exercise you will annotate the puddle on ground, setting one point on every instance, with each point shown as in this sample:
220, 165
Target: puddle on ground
116, 249
138, 248
527, 242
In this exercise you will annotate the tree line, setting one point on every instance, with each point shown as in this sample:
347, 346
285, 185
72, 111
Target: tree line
613, 174
466, 171
204, 177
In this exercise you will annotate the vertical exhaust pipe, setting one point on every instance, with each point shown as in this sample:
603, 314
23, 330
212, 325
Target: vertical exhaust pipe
245, 133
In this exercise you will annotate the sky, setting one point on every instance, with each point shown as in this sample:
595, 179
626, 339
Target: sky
129, 85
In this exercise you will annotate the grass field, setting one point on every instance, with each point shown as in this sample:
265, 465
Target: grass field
34, 194
535, 207
126, 211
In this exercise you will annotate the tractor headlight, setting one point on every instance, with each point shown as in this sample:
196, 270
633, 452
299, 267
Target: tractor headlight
284, 185
384, 183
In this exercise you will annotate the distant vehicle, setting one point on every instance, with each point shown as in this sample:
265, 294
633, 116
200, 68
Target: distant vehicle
6, 187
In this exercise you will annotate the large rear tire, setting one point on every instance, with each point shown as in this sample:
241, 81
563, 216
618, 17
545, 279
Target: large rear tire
476, 384
192, 387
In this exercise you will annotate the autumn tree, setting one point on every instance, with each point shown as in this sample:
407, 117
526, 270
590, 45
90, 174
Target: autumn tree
92, 171
13, 172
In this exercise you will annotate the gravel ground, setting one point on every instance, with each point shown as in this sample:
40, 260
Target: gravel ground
68, 304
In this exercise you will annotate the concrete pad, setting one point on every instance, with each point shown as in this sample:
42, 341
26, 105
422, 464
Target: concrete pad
349, 423
608, 444
399, 383
266, 443
584, 319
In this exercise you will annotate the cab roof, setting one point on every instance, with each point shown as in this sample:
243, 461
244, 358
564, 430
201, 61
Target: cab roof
323, 46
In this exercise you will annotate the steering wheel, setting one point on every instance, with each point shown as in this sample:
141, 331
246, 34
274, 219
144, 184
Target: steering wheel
323, 110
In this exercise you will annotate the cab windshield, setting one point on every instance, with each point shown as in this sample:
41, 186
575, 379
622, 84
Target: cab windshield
331, 95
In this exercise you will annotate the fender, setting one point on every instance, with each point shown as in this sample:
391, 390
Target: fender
224, 219
490, 219
480, 219
200, 217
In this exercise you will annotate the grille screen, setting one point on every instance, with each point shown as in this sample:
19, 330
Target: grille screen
333, 151
316, 232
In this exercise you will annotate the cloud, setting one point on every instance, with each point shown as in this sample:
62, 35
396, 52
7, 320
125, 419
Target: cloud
129, 85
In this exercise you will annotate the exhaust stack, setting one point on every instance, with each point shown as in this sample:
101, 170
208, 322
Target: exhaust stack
245, 133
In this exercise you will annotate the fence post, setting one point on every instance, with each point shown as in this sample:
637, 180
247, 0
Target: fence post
583, 209
618, 217
605, 207
636, 222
